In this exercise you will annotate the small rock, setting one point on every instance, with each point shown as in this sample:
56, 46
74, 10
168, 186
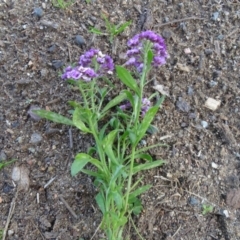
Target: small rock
183, 67
214, 165
190, 91
193, 201
213, 83
215, 16
79, 40
44, 72
36, 138
38, 12
52, 48
182, 105
208, 51
220, 37
19, 140
21, 176
187, 50
3, 156
10, 232
143, 142
7, 188
167, 34
212, 104
50, 24
192, 115
204, 124
225, 213
56, 64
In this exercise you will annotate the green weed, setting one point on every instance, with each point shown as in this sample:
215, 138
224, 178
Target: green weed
112, 30
62, 3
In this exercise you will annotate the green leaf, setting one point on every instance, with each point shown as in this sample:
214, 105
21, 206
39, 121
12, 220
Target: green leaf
127, 79
122, 27
144, 156
52, 116
149, 58
118, 198
152, 129
74, 104
121, 97
96, 31
4, 164
107, 144
147, 166
146, 122
101, 202
139, 191
78, 122
80, 162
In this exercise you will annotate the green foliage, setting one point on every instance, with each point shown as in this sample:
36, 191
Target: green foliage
116, 156
62, 3
4, 164
112, 29
206, 209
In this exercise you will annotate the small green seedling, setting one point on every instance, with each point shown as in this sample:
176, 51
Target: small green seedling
62, 3
1, 234
4, 164
112, 29
206, 209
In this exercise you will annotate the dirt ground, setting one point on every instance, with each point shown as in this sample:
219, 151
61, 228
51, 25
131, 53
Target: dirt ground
203, 156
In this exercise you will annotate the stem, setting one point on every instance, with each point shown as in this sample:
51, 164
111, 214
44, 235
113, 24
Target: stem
142, 80
129, 179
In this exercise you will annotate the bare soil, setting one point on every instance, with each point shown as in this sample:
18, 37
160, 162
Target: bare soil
203, 156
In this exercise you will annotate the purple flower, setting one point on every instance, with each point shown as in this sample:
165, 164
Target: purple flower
135, 53
85, 71
144, 108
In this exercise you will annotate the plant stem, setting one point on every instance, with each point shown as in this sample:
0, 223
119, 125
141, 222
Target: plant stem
129, 179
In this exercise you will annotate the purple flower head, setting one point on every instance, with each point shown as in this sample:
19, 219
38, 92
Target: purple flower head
85, 70
135, 53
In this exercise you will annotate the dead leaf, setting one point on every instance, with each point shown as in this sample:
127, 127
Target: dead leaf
21, 176
162, 89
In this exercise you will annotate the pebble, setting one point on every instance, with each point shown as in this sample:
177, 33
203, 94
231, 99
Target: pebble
193, 201
214, 165
182, 105
44, 72
213, 83
20, 140
36, 138
52, 48
10, 232
215, 16
79, 40
38, 12
190, 91
3, 156
56, 64
208, 51
204, 124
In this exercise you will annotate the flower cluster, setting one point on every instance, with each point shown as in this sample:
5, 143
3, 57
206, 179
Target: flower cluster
144, 108
85, 71
136, 49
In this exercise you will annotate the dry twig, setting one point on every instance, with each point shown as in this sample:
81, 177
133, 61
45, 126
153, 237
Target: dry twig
68, 207
10, 213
